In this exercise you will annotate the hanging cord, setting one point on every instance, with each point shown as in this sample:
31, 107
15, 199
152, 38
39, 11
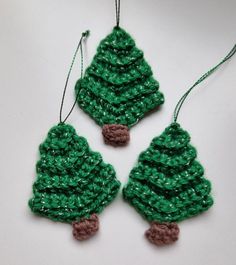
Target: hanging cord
79, 47
202, 78
117, 4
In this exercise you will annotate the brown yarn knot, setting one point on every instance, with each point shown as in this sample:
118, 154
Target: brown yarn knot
115, 134
86, 228
162, 233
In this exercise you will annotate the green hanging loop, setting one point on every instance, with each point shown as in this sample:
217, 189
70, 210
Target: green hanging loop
202, 78
117, 4
79, 47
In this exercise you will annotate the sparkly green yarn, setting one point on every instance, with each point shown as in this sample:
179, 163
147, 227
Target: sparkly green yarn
168, 184
118, 87
72, 181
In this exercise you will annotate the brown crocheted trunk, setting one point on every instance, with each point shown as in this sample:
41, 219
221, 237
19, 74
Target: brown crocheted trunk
86, 228
162, 233
116, 134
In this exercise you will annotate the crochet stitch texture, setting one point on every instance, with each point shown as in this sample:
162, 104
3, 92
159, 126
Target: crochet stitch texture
168, 184
162, 234
72, 181
118, 87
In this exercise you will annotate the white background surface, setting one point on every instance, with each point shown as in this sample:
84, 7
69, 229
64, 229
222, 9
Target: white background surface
181, 40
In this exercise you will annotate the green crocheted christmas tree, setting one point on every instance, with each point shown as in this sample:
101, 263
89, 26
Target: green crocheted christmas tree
73, 183
168, 184
118, 88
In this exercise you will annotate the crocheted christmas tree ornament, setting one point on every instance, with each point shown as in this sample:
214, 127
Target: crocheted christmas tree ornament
118, 88
168, 185
73, 183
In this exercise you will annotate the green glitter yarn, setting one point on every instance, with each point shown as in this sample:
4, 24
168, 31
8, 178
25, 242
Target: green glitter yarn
72, 181
118, 87
168, 184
